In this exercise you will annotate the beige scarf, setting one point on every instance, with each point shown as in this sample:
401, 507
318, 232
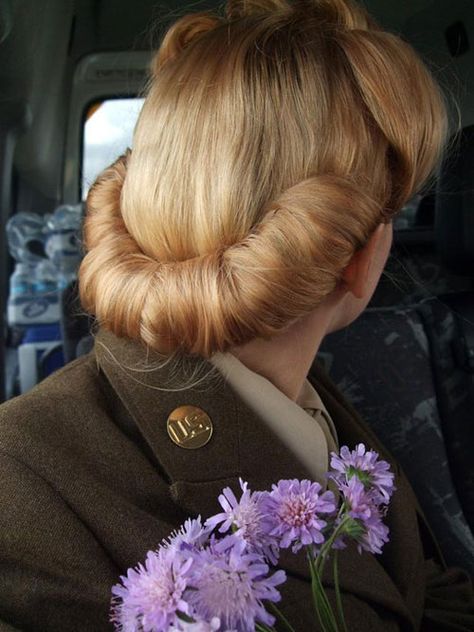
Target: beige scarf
305, 426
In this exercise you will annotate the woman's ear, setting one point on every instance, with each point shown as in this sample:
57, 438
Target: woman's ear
356, 276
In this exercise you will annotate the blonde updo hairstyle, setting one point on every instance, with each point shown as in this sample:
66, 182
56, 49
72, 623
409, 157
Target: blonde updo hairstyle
272, 142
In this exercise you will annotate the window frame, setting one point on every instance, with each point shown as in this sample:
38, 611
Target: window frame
98, 77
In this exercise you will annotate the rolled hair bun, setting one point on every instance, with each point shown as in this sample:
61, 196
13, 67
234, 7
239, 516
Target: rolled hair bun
271, 144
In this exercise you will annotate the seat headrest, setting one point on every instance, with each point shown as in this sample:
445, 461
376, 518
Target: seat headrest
454, 213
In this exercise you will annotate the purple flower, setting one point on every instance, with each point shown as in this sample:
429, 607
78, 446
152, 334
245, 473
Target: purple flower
192, 534
366, 526
151, 595
374, 473
230, 583
292, 511
358, 500
376, 533
245, 518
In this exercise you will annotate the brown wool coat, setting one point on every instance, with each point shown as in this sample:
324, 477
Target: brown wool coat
90, 481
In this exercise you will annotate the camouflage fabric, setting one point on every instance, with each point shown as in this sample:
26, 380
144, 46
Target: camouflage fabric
445, 326
393, 387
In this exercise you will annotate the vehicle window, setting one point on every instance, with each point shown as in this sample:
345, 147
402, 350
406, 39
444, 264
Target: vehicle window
108, 131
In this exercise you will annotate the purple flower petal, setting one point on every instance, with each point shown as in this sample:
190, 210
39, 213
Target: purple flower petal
292, 511
368, 530
151, 596
246, 518
375, 474
230, 583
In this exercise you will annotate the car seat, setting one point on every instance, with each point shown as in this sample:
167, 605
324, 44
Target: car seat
409, 370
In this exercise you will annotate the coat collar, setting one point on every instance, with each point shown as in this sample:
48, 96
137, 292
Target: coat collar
242, 446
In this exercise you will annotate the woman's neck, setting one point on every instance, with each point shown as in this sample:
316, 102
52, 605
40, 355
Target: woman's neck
285, 360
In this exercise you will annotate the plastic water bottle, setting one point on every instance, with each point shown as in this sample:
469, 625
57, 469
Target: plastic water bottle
45, 279
34, 298
63, 244
33, 302
21, 280
25, 237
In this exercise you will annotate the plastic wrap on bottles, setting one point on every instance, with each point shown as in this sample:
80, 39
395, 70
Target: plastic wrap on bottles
21, 281
45, 279
62, 242
26, 237
33, 297
47, 251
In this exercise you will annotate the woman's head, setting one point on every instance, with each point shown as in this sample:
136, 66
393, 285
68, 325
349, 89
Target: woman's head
272, 143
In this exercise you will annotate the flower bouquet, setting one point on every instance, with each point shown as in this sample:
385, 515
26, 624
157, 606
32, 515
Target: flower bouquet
222, 575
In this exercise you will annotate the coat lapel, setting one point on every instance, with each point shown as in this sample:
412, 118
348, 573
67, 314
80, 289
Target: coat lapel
243, 446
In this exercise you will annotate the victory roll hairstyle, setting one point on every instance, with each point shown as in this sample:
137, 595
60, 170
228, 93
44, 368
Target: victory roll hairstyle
272, 142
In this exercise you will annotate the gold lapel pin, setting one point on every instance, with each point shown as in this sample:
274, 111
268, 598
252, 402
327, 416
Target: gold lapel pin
189, 427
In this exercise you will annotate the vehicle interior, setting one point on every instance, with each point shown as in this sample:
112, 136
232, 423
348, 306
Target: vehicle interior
72, 79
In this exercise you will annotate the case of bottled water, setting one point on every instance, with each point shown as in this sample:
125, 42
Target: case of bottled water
47, 253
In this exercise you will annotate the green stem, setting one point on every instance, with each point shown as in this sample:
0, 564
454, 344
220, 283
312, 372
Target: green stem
314, 591
261, 627
327, 606
317, 567
281, 616
326, 549
338, 593
320, 600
